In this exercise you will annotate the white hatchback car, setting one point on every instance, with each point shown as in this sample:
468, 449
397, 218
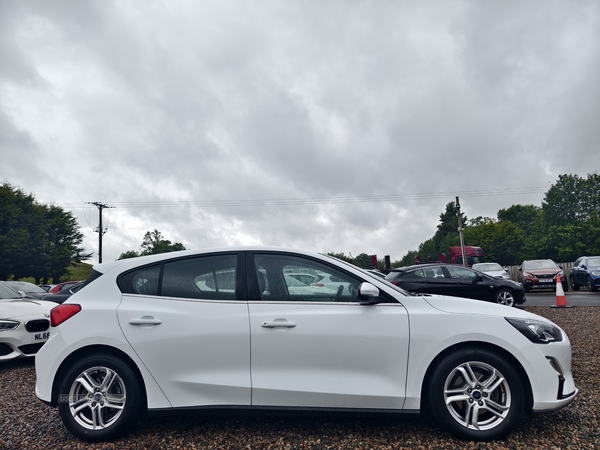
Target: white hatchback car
201, 330
493, 270
24, 324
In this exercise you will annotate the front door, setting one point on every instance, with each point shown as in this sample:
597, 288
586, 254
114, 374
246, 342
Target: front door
312, 347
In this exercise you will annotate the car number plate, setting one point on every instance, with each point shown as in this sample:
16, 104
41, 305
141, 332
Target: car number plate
546, 280
41, 336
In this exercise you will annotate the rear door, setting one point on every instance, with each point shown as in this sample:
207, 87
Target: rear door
315, 348
467, 283
188, 322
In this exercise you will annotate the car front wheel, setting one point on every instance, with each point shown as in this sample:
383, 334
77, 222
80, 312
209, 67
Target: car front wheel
505, 297
591, 284
574, 284
477, 395
100, 398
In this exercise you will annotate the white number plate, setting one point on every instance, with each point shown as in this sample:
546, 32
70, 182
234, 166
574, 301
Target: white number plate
546, 280
41, 336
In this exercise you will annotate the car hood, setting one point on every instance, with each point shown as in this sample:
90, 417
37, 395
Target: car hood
12, 309
456, 305
496, 273
542, 271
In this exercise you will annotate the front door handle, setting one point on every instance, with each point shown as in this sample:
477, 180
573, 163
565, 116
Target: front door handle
278, 323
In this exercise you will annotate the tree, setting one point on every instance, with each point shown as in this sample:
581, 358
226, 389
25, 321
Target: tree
448, 227
153, 244
363, 261
502, 241
522, 216
36, 240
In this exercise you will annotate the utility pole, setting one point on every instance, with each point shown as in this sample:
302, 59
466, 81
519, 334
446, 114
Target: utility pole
100, 230
460, 233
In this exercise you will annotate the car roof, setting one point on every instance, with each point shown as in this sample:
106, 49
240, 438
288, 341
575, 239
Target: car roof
125, 264
419, 266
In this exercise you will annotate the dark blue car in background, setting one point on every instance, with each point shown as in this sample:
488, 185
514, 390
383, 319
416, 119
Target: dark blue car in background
586, 272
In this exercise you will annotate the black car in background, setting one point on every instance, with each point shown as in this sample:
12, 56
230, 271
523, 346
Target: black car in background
457, 281
586, 272
61, 296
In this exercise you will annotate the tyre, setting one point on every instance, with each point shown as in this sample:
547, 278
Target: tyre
476, 395
100, 398
591, 284
505, 297
574, 284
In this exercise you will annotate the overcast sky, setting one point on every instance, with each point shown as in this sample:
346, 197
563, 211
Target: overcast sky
342, 126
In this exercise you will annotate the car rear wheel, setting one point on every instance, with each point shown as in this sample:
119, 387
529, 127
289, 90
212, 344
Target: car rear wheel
505, 297
100, 398
591, 284
477, 395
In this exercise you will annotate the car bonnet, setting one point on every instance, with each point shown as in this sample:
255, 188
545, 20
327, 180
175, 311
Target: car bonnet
456, 305
12, 309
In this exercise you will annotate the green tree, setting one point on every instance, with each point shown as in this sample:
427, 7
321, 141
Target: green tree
572, 199
153, 244
502, 241
521, 215
363, 261
36, 240
448, 227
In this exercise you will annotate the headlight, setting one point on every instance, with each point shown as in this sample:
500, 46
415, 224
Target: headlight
536, 331
527, 275
596, 273
561, 274
8, 325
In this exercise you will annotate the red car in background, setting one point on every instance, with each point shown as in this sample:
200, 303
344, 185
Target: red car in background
541, 274
62, 286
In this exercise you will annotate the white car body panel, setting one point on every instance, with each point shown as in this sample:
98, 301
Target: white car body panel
316, 363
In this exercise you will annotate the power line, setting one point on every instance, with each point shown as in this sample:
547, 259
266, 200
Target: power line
319, 200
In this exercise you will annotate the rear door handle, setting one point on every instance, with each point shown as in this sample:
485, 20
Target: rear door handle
278, 323
145, 320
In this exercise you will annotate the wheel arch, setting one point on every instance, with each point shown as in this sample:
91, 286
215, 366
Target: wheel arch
483, 346
92, 350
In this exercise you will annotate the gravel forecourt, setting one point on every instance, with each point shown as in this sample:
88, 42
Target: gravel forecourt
26, 423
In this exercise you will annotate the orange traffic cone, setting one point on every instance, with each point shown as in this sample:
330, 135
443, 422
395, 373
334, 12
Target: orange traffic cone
561, 300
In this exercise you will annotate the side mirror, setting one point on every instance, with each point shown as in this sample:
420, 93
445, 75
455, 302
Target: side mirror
22, 294
477, 279
368, 294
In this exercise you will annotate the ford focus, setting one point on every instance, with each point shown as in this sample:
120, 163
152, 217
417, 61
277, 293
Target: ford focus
221, 329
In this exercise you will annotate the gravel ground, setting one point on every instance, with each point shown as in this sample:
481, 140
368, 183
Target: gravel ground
26, 423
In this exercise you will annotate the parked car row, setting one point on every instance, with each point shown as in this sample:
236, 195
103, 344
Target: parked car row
58, 294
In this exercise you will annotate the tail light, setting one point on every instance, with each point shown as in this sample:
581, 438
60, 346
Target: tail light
63, 312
